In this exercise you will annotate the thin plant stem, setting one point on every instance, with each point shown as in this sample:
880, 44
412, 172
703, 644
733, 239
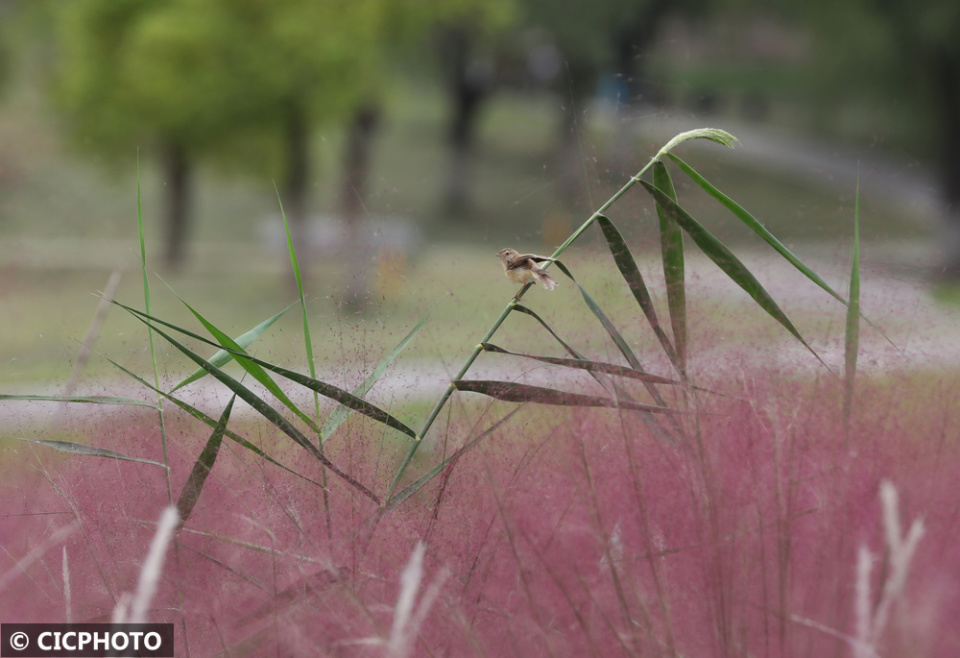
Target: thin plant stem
153, 349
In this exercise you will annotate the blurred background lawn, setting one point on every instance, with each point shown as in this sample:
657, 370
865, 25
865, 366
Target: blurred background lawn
407, 154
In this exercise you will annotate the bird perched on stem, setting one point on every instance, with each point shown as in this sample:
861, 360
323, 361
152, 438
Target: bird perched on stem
523, 269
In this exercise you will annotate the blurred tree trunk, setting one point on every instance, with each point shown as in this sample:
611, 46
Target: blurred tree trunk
947, 82
356, 176
471, 82
296, 185
578, 83
176, 173
632, 42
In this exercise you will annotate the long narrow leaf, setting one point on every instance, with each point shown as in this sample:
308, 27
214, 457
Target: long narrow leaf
190, 493
591, 366
671, 253
90, 451
210, 422
263, 408
340, 414
514, 392
726, 261
631, 274
222, 357
852, 337
323, 388
78, 399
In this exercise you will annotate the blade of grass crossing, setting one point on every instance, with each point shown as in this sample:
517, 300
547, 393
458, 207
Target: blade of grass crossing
153, 349
730, 264
252, 368
323, 388
671, 253
210, 422
631, 274
852, 338
190, 493
222, 357
266, 411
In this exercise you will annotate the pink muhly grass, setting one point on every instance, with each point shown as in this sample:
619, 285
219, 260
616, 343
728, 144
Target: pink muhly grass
567, 533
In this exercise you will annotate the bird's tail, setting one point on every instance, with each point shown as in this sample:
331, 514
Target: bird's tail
548, 281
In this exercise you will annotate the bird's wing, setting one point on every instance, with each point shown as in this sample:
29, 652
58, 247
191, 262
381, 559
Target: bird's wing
527, 260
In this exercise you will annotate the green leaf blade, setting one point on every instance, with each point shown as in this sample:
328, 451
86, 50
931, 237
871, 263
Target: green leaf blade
190, 493
89, 451
672, 257
515, 392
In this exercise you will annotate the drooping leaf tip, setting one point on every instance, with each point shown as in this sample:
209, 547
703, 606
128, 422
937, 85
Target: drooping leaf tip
717, 135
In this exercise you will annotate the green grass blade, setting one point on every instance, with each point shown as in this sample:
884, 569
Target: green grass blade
631, 274
414, 487
255, 371
590, 366
153, 348
340, 414
264, 409
852, 337
523, 309
190, 493
78, 399
89, 451
514, 392
726, 261
671, 253
210, 422
295, 266
222, 357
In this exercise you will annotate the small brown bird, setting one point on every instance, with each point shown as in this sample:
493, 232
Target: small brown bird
523, 269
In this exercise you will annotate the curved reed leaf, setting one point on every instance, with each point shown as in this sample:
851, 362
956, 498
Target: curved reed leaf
79, 399
591, 366
210, 422
339, 414
190, 493
255, 371
222, 357
726, 261
90, 451
671, 253
327, 390
721, 137
631, 274
261, 407
514, 392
